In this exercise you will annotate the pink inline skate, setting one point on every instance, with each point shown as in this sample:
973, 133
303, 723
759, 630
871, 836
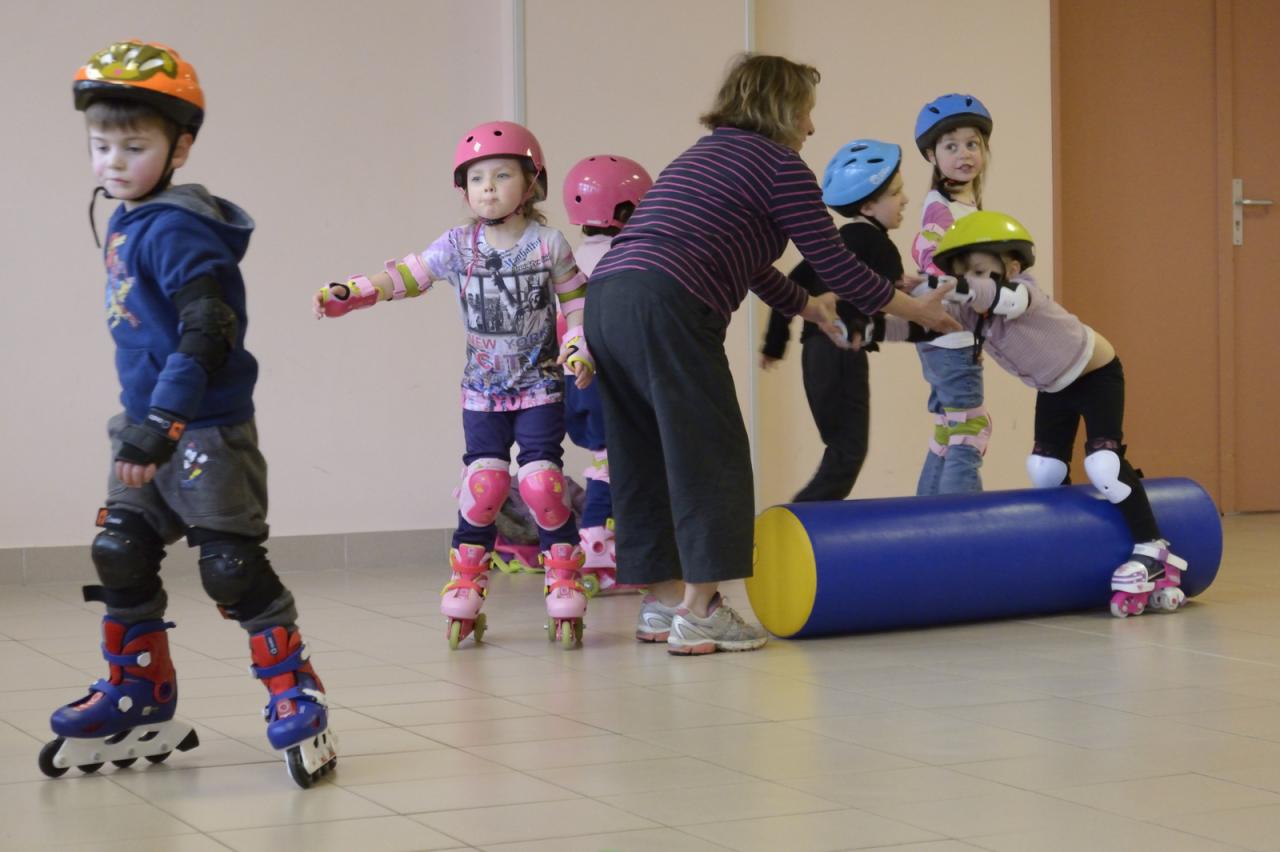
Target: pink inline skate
464, 594
600, 573
1151, 577
566, 596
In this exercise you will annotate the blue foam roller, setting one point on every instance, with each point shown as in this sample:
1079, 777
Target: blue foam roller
856, 566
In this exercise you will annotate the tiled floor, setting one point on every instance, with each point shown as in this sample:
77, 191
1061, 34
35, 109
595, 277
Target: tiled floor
1078, 732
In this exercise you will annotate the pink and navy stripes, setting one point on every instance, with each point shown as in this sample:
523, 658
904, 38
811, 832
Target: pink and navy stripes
720, 215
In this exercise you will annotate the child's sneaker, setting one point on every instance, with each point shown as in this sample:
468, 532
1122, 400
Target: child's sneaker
655, 620
722, 630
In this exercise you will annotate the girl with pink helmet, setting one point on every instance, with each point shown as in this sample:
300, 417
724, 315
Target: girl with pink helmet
600, 194
509, 271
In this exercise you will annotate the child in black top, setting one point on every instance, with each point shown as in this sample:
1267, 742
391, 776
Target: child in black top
862, 182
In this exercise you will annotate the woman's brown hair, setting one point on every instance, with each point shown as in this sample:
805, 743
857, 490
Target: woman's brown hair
764, 94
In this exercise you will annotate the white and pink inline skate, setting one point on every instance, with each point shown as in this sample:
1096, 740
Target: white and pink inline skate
565, 593
464, 594
1151, 577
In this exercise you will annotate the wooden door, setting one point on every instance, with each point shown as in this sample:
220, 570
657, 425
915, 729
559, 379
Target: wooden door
1251, 350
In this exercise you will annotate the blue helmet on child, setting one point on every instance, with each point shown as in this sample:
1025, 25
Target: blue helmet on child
858, 170
944, 114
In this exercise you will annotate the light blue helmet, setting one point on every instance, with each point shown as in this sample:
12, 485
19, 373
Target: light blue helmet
857, 170
948, 112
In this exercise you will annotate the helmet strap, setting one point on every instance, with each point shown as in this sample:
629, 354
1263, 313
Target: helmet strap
93, 223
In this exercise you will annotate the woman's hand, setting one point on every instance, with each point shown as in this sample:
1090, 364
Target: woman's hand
907, 283
926, 310
821, 311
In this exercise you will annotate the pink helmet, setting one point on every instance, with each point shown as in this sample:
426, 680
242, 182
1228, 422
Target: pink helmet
595, 187
498, 139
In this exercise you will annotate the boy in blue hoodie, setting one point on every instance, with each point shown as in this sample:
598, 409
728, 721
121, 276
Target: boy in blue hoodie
185, 448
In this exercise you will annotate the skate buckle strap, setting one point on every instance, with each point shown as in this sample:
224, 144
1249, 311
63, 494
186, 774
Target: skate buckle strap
302, 693
291, 663
463, 583
1160, 552
564, 578
109, 689
140, 660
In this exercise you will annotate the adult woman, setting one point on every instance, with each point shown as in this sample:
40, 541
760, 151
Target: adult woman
657, 309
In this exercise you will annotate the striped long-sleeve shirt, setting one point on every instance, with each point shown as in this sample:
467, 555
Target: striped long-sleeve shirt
720, 215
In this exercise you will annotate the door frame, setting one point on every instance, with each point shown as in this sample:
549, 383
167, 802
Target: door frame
1225, 133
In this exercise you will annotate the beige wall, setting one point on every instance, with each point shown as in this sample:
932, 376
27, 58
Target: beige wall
334, 126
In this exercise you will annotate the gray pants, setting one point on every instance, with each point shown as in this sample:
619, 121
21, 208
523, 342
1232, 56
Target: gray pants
679, 458
216, 482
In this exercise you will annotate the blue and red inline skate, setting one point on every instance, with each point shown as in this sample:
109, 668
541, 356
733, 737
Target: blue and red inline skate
130, 714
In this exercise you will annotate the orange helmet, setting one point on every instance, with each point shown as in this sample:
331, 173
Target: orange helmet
146, 73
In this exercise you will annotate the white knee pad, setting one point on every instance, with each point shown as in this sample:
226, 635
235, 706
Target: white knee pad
543, 489
1046, 471
1103, 468
485, 485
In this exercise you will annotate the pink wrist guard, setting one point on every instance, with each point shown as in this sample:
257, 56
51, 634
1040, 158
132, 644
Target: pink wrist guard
360, 294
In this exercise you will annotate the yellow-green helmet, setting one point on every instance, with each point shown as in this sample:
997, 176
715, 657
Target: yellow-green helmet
985, 230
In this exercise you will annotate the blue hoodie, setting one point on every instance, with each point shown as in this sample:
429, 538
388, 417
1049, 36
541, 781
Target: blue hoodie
151, 252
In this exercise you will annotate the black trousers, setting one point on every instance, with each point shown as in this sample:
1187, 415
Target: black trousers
838, 388
679, 459
1098, 399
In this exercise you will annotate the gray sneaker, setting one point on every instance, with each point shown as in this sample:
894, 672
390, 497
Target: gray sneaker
722, 630
655, 620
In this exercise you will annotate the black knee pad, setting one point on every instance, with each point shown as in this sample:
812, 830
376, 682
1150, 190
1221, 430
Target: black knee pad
236, 573
127, 554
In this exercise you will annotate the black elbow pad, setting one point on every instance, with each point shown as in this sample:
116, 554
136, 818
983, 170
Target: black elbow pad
209, 326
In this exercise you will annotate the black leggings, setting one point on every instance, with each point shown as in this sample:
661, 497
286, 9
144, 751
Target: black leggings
1098, 397
839, 394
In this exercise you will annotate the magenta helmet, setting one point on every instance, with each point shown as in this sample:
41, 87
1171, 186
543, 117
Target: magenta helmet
499, 139
595, 187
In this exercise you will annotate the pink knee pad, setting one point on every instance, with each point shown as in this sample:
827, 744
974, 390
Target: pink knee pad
542, 487
485, 485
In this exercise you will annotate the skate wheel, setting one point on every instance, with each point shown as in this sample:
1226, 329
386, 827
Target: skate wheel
124, 763
455, 634
159, 758
590, 585
478, 630
571, 633
1118, 609
297, 771
46, 758
190, 741
89, 768
552, 633
1168, 600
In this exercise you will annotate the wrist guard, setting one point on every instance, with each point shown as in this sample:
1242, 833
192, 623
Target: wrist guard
360, 294
961, 295
152, 441
573, 348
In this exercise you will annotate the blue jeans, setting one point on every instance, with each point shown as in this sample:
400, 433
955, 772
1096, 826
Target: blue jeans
584, 423
955, 383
